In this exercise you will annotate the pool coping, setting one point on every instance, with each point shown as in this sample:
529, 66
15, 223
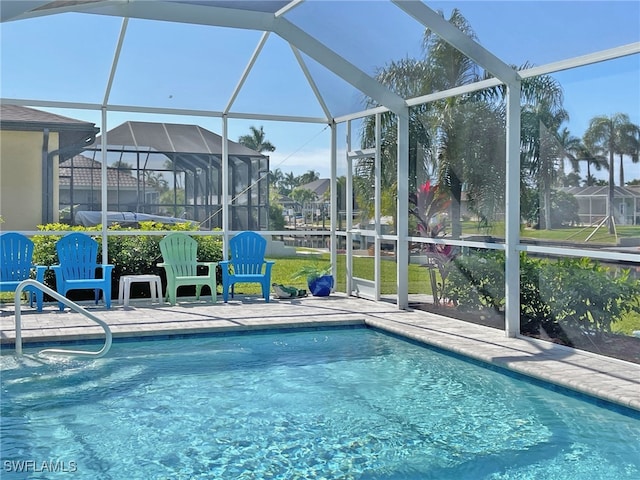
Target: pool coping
600, 377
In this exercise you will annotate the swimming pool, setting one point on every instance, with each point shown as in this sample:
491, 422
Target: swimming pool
332, 404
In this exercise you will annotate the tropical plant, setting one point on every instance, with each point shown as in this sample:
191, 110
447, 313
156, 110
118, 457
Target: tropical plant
598, 297
431, 204
570, 146
477, 281
312, 271
303, 195
428, 203
471, 152
290, 182
571, 179
564, 209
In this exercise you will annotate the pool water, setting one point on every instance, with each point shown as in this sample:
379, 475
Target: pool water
325, 404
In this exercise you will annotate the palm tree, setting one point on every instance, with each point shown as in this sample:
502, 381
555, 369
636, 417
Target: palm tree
449, 68
592, 156
630, 145
610, 134
289, 182
464, 136
409, 78
256, 140
471, 153
276, 178
122, 166
438, 133
541, 150
570, 147
308, 177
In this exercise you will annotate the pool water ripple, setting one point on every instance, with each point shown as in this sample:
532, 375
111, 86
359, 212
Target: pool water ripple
338, 404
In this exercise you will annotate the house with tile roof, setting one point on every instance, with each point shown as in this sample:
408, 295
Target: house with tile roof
80, 188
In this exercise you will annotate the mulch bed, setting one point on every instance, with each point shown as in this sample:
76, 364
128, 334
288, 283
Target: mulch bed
622, 347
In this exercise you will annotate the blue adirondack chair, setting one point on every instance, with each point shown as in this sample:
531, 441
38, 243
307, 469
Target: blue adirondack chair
16, 265
78, 267
246, 264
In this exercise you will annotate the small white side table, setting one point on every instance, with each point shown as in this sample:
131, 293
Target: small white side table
125, 286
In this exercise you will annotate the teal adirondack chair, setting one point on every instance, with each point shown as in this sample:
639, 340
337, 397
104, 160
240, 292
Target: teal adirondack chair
78, 266
246, 264
16, 265
180, 262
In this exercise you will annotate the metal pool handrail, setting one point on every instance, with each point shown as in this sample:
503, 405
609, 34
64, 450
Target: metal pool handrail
69, 303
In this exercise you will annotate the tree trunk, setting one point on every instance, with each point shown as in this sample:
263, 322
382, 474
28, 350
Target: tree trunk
547, 205
610, 219
456, 198
621, 171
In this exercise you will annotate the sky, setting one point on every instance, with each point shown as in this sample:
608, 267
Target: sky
183, 66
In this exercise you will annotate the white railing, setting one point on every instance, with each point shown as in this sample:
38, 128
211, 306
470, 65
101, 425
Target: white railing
70, 304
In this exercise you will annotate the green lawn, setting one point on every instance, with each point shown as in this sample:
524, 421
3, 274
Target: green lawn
573, 234
285, 268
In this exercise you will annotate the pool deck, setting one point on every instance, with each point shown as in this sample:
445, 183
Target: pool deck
605, 378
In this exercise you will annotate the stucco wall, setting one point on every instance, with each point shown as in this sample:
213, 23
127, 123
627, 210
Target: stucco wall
21, 179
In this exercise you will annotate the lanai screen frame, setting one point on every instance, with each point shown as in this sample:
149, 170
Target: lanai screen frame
389, 101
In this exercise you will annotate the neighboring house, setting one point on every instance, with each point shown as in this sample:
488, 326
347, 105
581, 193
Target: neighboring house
183, 164
317, 209
32, 143
80, 180
290, 208
318, 187
593, 201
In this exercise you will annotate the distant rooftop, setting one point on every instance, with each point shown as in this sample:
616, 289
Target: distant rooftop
86, 172
17, 113
171, 138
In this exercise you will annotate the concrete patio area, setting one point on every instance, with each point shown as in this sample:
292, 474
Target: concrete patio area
605, 378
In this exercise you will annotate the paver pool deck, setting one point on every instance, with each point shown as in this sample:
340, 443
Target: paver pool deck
601, 377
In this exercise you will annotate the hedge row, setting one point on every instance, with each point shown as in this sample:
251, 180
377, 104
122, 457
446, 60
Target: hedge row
130, 254
555, 295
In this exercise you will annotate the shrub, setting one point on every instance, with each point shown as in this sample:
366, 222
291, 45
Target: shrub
575, 295
535, 313
584, 296
564, 209
476, 280
130, 254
